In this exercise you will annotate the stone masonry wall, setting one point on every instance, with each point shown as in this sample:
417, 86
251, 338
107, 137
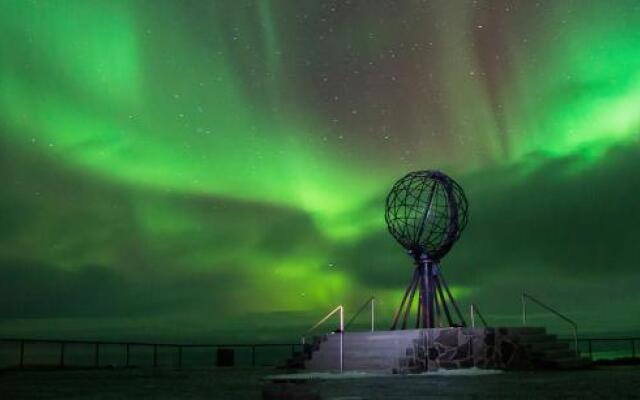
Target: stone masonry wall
452, 348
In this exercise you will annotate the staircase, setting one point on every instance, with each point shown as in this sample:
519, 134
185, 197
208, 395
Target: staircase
362, 351
406, 351
547, 352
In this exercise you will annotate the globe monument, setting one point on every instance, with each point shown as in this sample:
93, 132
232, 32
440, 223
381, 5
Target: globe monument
426, 212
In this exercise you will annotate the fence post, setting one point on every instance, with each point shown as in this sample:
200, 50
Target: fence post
253, 355
61, 354
22, 354
155, 355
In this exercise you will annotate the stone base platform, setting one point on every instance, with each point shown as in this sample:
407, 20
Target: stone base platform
420, 350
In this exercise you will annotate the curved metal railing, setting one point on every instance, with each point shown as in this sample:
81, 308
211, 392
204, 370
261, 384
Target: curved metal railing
339, 309
371, 301
573, 324
474, 310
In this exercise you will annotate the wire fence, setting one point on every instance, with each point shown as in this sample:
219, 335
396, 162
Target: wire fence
45, 353
608, 348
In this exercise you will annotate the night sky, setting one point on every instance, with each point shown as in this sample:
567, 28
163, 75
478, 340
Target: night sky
217, 170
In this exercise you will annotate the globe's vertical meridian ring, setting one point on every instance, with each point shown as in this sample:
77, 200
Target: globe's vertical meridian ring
426, 212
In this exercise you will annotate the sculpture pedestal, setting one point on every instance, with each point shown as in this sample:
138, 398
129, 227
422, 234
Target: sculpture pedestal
420, 350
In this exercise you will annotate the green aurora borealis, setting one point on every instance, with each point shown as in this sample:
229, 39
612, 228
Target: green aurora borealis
218, 168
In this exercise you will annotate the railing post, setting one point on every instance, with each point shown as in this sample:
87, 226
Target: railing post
126, 360
22, 354
340, 309
97, 355
473, 317
61, 355
553, 311
155, 355
373, 301
341, 338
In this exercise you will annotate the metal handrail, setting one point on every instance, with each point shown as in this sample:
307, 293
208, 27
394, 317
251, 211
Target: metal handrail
573, 324
473, 311
371, 301
63, 344
340, 309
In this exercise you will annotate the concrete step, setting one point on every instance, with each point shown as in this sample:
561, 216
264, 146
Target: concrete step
547, 345
573, 363
527, 330
396, 333
318, 338
354, 360
536, 338
362, 356
553, 355
373, 338
353, 365
388, 352
295, 362
351, 360
365, 345
362, 351
392, 350
376, 336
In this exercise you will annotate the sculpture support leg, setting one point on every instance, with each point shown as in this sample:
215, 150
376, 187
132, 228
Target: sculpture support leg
404, 299
455, 306
419, 313
433, 296
436, 302
443, 301
407, 310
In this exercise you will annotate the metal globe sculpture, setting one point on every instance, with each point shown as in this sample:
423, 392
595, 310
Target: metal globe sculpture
426, 212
